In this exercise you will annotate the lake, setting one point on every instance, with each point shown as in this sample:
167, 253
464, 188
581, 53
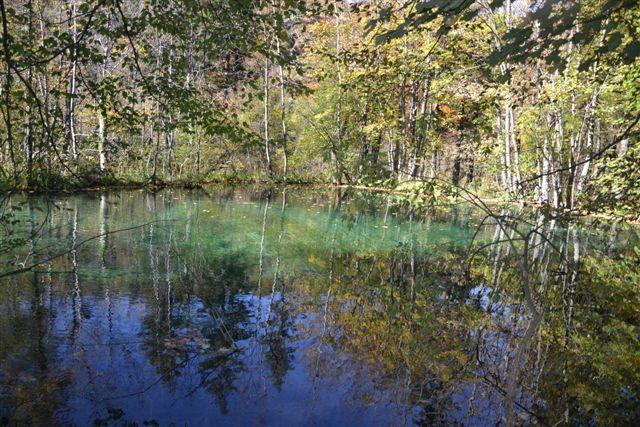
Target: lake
306, 306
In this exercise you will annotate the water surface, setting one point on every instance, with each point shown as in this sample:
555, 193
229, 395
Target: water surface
315, 307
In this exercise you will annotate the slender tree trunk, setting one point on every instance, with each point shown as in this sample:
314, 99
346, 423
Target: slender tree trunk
338, 145
420, 129
516, 150
70, 122
169, 133
283, 113
156, 124
102, 140
544, 179
457, 162
506, 129
267, 147
558, 178
7, 87
29, 129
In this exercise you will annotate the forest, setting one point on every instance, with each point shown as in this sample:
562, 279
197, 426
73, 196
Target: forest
521, 100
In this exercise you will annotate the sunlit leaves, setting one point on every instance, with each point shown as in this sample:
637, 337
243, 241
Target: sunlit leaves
544, 30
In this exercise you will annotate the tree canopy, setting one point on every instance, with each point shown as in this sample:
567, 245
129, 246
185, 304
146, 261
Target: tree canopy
530, 100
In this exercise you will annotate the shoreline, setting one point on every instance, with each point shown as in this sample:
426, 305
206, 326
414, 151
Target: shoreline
179, 185
571, 214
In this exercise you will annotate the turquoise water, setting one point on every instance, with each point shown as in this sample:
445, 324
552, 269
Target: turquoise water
301, 306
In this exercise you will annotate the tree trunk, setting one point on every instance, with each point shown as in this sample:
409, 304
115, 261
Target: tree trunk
267, 147
283, 114
70, 122
338, 145
102, 140
7, 86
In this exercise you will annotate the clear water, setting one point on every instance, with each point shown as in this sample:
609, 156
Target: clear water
314, 307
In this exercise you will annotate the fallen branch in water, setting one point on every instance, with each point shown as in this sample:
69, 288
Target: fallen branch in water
73, 248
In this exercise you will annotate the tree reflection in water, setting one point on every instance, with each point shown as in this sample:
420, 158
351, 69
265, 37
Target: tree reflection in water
308, 306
